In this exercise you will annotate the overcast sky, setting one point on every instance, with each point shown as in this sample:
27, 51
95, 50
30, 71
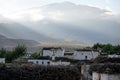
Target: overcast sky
11, 6
93, 20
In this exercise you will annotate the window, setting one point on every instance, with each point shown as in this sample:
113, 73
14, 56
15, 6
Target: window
42, 62
48, 63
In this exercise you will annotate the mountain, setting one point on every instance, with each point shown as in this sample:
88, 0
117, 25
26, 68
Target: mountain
8, 42
107, 32
18, 31
68, 22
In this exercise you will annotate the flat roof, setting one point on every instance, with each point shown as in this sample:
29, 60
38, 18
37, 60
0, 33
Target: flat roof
50, 48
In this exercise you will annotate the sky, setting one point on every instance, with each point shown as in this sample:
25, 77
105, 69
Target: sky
11, 6
92, 20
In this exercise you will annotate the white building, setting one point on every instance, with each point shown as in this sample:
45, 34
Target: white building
2, 60
85, 54
57, 52
48, 61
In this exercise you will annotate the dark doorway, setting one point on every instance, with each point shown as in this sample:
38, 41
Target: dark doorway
86, 57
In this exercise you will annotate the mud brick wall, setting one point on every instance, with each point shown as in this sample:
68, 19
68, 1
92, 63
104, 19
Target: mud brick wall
30, 72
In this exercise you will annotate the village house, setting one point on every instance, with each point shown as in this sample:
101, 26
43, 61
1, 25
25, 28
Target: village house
51, 51
46, 60
81, 54
49, 57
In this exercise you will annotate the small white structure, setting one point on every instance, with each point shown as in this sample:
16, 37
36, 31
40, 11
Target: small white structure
85, 54
57, 52
39, 61
47, 62
2, 60
103, 76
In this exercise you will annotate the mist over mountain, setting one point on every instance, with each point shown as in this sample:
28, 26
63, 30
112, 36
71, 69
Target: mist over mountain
107, 32
69, 22
18, 31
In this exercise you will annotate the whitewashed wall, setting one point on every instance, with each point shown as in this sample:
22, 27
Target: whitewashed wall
100, 76
2, 60
47, 53
85, 55
40, 62
58, 53
45, 62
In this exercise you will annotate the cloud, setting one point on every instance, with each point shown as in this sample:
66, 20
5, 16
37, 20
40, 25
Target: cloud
65, 12
71, 21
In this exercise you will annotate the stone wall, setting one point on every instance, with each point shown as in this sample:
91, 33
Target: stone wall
35, 72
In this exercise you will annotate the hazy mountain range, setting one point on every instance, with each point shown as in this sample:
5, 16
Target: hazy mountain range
18, 31
64, 22
8, 42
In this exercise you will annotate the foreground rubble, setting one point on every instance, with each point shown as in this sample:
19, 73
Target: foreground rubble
35, 72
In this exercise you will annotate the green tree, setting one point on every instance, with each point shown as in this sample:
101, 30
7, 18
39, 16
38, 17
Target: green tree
2, 52
98, 45
116, 48
9, 56
36, 55
108, 48
19, 50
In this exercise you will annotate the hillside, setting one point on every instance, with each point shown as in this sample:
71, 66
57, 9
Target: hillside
18, 31
8, 42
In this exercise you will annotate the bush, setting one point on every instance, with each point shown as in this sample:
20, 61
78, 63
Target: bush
18, 51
